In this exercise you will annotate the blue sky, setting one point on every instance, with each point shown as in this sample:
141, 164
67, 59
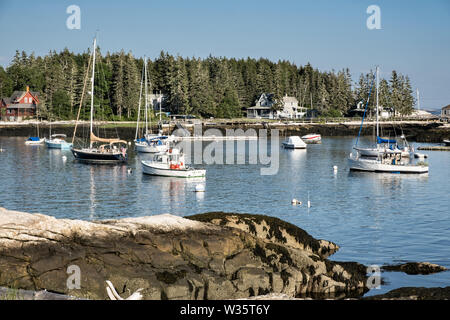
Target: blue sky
330, 34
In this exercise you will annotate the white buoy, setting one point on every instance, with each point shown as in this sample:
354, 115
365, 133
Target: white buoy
335, 169
199, 188
130, 171
129, 143
64, 158
309, 202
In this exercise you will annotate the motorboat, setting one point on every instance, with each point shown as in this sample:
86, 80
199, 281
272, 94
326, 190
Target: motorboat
171, 164
57, 141
312, 138
446, 142
294, 142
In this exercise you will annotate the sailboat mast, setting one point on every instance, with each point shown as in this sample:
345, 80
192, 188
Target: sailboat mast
139, 106
146, 106
378, 129
418, 99
92, 90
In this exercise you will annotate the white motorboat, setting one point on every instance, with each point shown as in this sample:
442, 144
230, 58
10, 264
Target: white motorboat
294, 142
171, 164
57, 141
446, 142
312, 138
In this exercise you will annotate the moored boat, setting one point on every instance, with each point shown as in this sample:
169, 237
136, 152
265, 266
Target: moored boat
171, 164
294, 142
34, 141
312, 138
100, 150
57, 141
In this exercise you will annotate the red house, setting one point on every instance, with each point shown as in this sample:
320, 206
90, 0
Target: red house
21, 105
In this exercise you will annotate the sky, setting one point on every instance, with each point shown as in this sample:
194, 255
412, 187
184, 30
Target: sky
414, 37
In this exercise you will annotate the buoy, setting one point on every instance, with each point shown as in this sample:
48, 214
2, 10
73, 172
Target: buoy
130, 171
64, 158
129, 143
199, 188
309, 204
335, 169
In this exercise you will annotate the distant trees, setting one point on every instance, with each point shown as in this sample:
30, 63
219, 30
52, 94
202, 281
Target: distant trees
210, 87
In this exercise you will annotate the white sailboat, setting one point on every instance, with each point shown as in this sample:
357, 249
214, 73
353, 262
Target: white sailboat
149, 143
386, 159
383, 144
171, 164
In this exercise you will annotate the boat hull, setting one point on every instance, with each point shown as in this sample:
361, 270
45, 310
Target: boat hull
150, 169
146, 148
372, 165
293, 146
58, 145
90, 156
374, 152
312, 138
30, 142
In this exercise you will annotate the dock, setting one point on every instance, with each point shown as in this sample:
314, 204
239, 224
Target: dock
435, 148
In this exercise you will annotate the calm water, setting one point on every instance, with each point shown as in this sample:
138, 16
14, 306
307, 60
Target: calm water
375, 218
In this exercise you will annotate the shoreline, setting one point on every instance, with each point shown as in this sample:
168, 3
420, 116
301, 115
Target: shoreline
419, 131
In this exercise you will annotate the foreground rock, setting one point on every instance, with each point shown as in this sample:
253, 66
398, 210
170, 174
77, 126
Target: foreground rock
412, 293
231, 256
415, 268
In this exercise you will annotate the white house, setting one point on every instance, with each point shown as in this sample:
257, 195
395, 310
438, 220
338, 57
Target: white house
445, 112
263, 108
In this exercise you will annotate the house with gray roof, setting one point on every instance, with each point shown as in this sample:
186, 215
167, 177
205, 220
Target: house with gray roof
264, 108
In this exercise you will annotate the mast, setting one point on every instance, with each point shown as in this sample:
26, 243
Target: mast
378, 129
139, 106
160, 117
418, 99
146, 110
92, 89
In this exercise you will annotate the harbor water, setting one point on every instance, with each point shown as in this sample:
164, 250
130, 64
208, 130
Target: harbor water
376, 219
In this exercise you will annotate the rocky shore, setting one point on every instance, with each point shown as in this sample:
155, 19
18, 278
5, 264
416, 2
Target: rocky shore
208, 256
211, 256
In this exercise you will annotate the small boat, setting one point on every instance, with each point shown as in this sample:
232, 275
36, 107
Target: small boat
152, 144
446, 142
57, 141
312, 138
294, 142
34, 141
170, 164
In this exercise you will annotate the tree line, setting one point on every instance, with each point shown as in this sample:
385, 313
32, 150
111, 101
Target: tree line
211, 87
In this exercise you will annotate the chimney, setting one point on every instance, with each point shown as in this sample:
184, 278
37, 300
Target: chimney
28, 88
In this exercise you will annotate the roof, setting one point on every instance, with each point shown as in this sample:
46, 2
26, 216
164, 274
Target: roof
7, 100
21, 106
254, 107
17, 95
446, 107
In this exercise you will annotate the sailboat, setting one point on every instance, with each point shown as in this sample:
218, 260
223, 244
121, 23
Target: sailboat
387, 159
35, 140
150, 143
100, 150
57, 141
